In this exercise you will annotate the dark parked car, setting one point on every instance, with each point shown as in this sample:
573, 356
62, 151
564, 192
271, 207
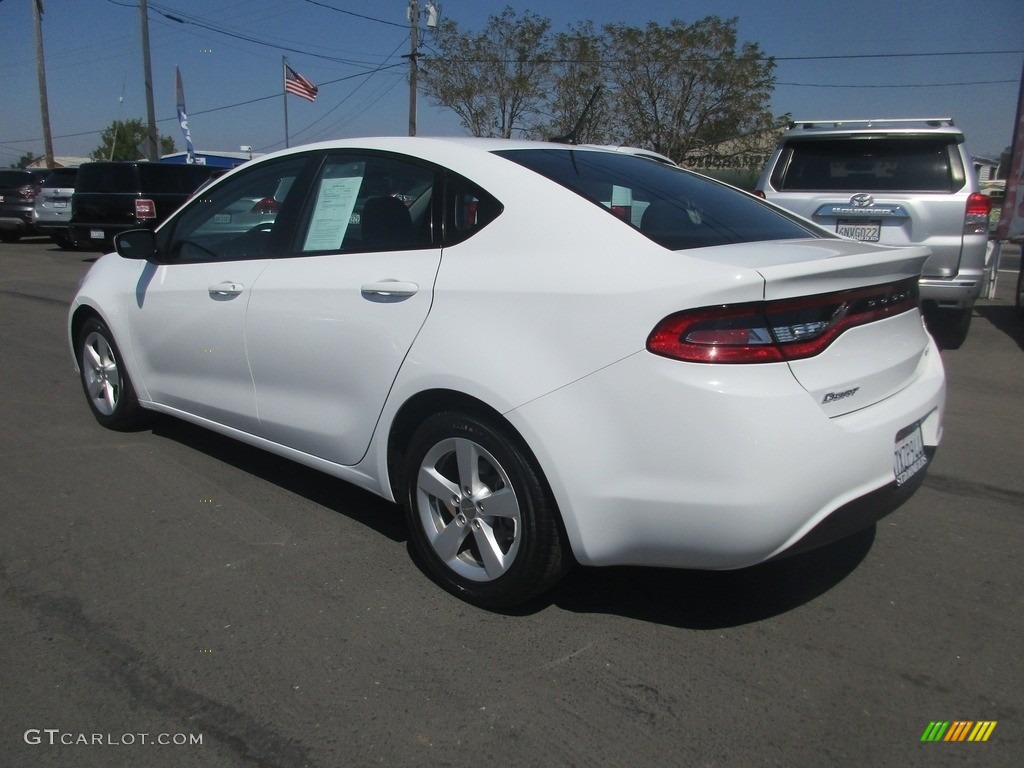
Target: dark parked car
53, 205
18, 190
112, 197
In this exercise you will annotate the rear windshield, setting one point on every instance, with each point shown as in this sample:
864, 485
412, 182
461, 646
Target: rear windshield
672, 207
859, 164
61, 177
15, 178
147, 178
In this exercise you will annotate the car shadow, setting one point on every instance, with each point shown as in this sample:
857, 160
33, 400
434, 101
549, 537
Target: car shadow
327, 491
1005, 319
680, 598
713, 599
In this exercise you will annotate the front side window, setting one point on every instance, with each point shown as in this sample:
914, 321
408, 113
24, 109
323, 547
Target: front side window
674, 208
234, 219
368, 202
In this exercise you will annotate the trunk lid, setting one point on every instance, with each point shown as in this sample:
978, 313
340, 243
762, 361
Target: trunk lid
866, 363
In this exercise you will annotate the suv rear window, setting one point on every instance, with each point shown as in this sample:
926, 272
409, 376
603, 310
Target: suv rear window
15, 178
674, 208
869, 163
61, 177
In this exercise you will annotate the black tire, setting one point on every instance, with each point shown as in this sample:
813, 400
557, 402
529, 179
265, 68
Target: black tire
949, 326
492, 538
105, 381
8, 236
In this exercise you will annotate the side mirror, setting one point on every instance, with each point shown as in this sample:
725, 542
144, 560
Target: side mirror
135, 244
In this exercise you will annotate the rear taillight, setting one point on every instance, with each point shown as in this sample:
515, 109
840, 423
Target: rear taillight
976, 217
760, 193
145, 209
776, 331
266, 206
29, 191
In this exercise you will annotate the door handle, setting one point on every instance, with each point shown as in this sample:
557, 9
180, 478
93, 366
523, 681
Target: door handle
389, 288
227, 288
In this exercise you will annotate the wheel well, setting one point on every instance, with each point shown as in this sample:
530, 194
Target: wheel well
418, 409
422, 406
82, 314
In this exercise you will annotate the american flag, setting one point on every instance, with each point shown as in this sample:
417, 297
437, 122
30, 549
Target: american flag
297, 84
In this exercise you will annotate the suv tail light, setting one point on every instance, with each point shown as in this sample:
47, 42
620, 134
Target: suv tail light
266, 206
760, 193
29, 191
976, 217
145, 209
776, 331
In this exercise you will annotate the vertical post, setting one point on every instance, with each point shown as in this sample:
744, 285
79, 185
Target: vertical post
152, 145
44, 107
414, 32
284, 95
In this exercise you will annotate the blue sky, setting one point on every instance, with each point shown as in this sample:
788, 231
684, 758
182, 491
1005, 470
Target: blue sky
93, 60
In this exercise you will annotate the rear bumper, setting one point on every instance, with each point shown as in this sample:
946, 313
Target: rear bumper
958, 292
659, 463
17, 223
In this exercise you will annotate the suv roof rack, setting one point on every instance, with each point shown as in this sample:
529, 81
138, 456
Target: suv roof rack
933, 122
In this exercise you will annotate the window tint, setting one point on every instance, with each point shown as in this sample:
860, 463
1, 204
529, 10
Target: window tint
368, 202
15, 178
673, 207
107, 177
235, 219
61, 177
470, 209
851, 165
159, 178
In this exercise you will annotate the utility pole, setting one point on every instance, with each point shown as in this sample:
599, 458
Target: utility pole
152, 146
44, 108
414, 39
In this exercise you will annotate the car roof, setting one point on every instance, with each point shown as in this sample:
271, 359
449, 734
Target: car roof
873, 126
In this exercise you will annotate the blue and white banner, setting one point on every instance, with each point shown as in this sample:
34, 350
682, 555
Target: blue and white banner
183, 119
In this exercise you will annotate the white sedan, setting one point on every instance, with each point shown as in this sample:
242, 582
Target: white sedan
548, 354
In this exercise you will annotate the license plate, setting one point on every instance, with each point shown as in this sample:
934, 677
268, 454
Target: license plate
222, 218
908, 457
60, 203
865, 230
1, 198
96, 234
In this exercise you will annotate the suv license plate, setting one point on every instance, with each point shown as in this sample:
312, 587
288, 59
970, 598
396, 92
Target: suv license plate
96, 234
865, 230
908, 457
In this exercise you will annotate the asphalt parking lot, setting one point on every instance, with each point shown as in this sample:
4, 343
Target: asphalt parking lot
171, 598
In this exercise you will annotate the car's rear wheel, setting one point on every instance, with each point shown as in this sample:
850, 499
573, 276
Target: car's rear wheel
480, 515
105, 381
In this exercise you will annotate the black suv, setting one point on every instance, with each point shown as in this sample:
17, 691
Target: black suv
113, 197
18, 190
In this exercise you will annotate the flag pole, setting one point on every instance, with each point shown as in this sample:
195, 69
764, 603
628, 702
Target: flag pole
284, 95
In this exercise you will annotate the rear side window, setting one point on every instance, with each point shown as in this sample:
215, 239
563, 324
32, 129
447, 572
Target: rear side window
858, 164
673, 207
14, 178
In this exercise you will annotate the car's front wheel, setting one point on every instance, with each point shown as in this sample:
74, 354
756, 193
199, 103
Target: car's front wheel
480, 514
105, 380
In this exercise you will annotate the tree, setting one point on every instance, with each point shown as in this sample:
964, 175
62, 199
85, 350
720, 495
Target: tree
495, 80
123, 138
25, 160
686, 89
578, 99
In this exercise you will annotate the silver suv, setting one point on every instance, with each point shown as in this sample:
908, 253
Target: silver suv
893, 182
